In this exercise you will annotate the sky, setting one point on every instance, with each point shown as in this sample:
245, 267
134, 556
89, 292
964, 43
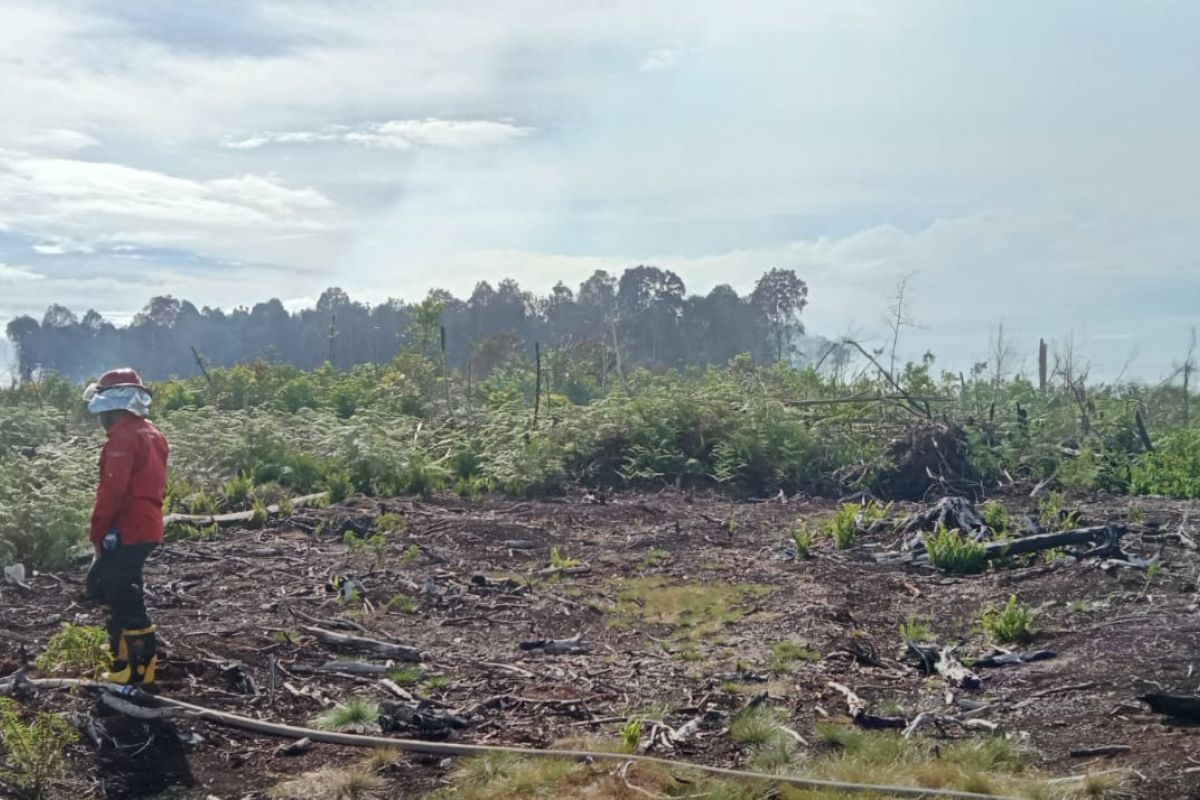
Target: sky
1029, 164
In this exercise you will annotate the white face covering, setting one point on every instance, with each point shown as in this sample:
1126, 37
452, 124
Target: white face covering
122, 398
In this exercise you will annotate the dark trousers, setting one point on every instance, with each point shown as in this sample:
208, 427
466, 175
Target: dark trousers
116, 580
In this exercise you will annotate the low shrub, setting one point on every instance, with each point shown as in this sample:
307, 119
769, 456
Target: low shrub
1012, 623
77, 650
952, 552
35, 752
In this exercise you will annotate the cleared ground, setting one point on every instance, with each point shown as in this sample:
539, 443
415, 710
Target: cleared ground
691, 606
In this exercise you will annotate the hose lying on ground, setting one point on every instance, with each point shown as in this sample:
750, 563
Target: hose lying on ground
117, 697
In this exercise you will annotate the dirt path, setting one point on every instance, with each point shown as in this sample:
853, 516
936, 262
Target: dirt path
682, 605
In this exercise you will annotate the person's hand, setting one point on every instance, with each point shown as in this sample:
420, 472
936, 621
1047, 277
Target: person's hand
95, 552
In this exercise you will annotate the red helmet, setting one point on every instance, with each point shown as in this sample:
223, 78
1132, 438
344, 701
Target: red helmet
120, 379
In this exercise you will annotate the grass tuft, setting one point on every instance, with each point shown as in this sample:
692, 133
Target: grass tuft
357, 714
787, 656
757, 726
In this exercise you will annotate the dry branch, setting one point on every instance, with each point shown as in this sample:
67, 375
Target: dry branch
857, 709
399, 652
942, 661
997, 658
346, 667
557, 647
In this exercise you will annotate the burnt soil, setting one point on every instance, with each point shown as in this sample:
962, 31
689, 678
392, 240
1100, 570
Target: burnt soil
230, 606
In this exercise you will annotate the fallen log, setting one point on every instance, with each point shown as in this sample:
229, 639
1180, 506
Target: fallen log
857, 709
557, 647
582, 569
1111, 532
346, 667
427, 722
1178, 706
942, 661
953, 671
296, 748
399, 652
1102, 750
238, 516
998, 658
1108, 536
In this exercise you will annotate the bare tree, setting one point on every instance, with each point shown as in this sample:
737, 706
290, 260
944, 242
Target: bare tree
8, 362
1001, 355
1186, 369
1073, 370
898, 318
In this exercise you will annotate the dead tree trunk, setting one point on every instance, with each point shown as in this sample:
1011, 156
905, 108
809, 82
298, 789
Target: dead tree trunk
1043, 365
1110, 533
361, 643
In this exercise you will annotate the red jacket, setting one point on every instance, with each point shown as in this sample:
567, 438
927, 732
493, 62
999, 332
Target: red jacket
133, 479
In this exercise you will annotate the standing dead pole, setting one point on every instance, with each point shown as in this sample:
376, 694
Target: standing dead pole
1189, 366
332, 336
470, 388
204, 369
612, 321
1043, 364
537, 390
445, 370
1142, 432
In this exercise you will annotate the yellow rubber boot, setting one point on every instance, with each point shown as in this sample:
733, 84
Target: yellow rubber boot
139, 661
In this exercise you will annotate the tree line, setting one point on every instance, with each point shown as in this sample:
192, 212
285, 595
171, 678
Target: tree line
645, 316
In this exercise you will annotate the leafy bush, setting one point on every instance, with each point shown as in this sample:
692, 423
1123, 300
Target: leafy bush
1010, 624
390, 522
802, 539
76, 650
559, 560
237, 492
843, 527
952, 552
1053, 514
996, 517
44, 511
202, 504
375, 544
296, 394
631, 735
1173, 469
339, 485
34, 753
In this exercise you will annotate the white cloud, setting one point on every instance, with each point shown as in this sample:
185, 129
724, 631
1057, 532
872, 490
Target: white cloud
10, 274
75, 206
855, 140
399, 134
59, 140
662, 58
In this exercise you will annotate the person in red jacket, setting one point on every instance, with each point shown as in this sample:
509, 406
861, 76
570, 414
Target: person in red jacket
126, 520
